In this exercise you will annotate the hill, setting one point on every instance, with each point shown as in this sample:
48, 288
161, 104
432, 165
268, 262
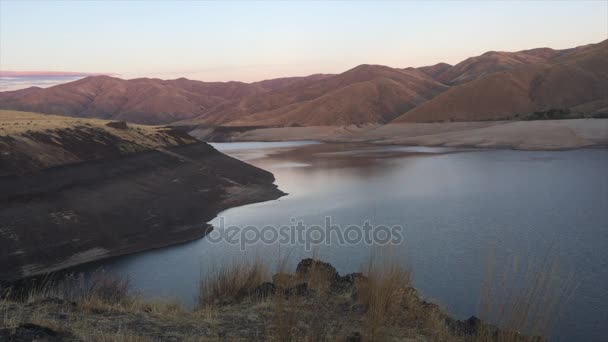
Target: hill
76, 190
435, 70
143, 100
365, 94
492, 62
571, 84
542, 82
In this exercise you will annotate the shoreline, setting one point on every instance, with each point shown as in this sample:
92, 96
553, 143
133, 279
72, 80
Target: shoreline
66, 215
541, 135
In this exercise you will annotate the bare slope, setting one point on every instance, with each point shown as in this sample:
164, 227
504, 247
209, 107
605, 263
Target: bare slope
365, 94
575, 81
143, 100
492, 86
78, 190
493, 62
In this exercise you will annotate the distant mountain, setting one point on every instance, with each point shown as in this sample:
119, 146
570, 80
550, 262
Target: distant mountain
492, 62
435, 70
143, 100
365, 94
574, 80
494, 85
278, 83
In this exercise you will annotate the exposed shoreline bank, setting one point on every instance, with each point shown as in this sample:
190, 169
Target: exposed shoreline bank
516, 135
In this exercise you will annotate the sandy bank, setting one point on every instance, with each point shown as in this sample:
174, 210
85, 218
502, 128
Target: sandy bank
546, 135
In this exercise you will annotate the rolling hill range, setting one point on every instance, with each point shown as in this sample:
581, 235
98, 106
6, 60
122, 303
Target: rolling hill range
365, 94
142, 100
574, 81
492, 86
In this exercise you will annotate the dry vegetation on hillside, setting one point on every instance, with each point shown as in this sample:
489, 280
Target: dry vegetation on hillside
32, 141
242, 302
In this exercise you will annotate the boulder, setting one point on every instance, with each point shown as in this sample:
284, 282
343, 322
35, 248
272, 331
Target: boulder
307, 266
347, 282
264, 290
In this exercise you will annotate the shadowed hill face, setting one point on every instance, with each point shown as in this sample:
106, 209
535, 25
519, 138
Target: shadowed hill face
365, 94
575, 80
76, 190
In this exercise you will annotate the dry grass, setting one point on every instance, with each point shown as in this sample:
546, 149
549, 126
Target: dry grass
232, 283
16, 122
522, 299
384, 293
99, 286
382, 305
43, 139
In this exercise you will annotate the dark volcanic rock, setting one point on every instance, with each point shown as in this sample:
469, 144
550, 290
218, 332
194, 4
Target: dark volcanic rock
307, 266
347, 282
264, 290
298, 290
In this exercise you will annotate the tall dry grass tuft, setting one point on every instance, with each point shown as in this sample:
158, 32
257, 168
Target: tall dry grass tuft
384, 293
232, 283
522, 299
284, 308
98, 285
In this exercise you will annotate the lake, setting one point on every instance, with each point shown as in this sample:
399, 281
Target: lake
457, 209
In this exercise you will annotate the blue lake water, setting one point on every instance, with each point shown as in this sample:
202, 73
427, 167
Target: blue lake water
456, 208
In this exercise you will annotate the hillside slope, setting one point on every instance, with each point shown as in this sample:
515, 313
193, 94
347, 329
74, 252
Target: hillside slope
143, 100
365, 94
575, 82
492, 62
493, 86
78, 190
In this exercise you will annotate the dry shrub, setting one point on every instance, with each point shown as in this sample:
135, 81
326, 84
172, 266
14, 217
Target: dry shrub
384, 293
284, 315
522, 299
99, 285
232, 283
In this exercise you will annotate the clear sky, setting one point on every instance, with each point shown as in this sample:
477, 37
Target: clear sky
218, 41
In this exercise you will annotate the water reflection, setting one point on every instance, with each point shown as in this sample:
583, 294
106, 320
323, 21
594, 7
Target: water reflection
453, 204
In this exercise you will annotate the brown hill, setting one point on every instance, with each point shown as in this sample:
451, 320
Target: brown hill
365, 94
575, 81
495, 85
143, 100
492, 62
435, 70
283, 82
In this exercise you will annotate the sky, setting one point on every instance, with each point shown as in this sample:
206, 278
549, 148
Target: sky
250, 41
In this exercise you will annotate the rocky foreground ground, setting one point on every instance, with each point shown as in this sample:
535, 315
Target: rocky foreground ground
313, 304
